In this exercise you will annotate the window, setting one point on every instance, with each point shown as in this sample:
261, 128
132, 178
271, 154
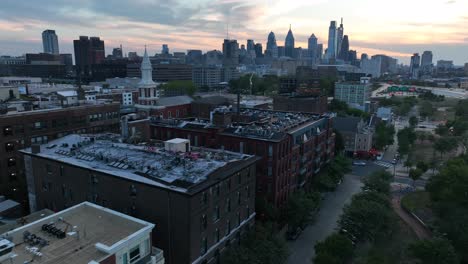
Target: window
9, 146
216, 190
203, 222
204, 198
11, 162
238, 218
204, 246
228, 184
39, 125
228, 205
247, 190
216, 235
238, 198
133, 191
239, 178
228, 227
270, 150
48, 169
216, 213
7, 131
247, 211
134, 254
13, 176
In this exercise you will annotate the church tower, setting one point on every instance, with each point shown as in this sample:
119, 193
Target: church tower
148, 91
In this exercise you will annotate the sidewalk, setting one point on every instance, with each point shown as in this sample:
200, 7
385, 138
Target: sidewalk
420, 231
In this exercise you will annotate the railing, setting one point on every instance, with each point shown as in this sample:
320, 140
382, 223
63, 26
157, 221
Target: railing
157, 256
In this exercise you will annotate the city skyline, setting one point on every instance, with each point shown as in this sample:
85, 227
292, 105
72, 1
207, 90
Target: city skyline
203, 24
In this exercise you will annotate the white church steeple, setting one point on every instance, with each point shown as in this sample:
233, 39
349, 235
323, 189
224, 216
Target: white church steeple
148, 90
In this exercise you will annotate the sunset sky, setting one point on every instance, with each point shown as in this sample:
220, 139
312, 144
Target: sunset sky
397, 28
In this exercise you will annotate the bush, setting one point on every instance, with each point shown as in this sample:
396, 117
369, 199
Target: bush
336, 248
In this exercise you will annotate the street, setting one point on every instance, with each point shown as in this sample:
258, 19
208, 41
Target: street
302, 249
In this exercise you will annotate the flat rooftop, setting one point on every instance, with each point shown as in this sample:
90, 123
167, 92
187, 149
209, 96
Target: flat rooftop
259, 123
91, 232
143, 163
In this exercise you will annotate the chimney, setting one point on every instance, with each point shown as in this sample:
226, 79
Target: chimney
35, 148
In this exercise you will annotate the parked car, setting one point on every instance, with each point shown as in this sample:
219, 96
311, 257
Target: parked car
394, 161
359, 163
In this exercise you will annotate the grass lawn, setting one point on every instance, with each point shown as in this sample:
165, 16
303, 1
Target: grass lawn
389, 249
422, 151
449, 114
419, 203
416, 200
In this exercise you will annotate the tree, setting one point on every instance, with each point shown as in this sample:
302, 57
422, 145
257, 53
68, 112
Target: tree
336, 248
330, 179
261, 245
441, 130
445, 144
384, 135
413, 121
415, 174
408, 164
179, 88
339, 142
423, 166
426, 109
435, 251
378, 182
300, 207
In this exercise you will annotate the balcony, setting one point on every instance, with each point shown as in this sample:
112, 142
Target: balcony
157, 256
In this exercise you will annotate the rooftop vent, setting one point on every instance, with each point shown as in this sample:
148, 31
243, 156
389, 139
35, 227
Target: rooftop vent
6, 249
177, 145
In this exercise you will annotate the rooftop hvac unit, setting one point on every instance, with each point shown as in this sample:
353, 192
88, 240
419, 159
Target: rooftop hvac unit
6, 249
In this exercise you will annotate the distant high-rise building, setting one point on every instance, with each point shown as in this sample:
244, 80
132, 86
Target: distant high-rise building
426, 63
250, 45
364, 56
165, 49
281, 51
319, 52
352, 56
339, 37
194, 57
117, 53
50, 41
426, 59
344, 51
258, 50
289, 44
272, 47
414, 65
132, 55
88, 51
312, 48
230, 53
332, 41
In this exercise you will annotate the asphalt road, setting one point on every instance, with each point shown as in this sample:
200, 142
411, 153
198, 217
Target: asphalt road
302, 249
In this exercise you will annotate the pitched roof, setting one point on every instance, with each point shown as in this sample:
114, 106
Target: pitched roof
346, 124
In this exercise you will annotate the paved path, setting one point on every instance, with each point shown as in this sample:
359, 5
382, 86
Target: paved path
302, 249
420, 231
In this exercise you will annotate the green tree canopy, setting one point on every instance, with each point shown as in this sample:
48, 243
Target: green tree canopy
336, 248
435, 251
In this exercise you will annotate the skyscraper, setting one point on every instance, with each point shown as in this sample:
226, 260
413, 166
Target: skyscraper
230, 53
344, 51
258, 50
88, 51
312, 47
426, 62
319, 53
250, 45
414, 65
272, 47
339, 40
165, 49
426, 59
50, 41
331, 49
117, 53
289, 44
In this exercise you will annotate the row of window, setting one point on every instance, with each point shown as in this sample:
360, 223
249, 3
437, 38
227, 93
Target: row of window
228, 230
227, 185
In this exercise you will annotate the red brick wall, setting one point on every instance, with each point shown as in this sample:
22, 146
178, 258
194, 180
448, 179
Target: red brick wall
109, 260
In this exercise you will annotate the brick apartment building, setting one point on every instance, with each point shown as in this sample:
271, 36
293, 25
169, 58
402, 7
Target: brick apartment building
292, 147
200, 200
21, 129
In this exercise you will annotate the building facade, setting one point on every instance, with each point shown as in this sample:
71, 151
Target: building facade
200, 199
290, 154
353, 93
22, 129
50, 42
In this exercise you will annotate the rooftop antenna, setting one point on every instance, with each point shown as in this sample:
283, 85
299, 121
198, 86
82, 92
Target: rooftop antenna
227, 30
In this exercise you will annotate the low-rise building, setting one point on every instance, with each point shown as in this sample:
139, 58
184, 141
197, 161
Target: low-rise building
200, 199
353, 93
306, 104
357, 135
22, 129
84, 233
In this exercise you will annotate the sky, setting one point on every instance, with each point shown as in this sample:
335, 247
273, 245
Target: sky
396, 28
